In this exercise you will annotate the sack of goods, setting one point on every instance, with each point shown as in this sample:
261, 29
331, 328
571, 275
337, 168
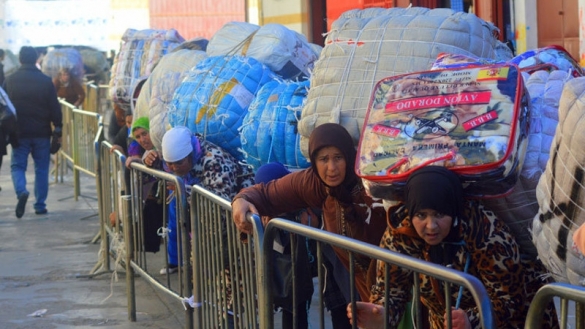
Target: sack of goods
365, 46
472, 120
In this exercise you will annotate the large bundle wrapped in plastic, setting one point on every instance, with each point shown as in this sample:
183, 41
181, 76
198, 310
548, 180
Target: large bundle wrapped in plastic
96, 65
139, 53
285, 52
365, 46
158, 90
551, 57
269, 131
214, 97
560, 191
519, 207
68, 58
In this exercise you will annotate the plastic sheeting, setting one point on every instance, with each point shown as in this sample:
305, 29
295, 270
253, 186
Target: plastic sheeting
136, 59
269, 131
365, 46
214, 97
284, 51
68, 58
560, 191
158, 90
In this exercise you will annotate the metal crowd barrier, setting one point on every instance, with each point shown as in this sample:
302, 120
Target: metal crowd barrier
124, 241
216, 247
110, 188
96, 98
566, 292
82, 133
452, 277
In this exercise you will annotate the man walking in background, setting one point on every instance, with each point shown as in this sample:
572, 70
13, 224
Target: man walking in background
35, 100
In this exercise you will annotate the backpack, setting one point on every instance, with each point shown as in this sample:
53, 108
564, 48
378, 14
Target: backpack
471, 119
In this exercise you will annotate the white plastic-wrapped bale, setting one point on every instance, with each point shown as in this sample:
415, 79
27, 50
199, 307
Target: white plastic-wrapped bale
286, 52
157, 92
560, 191
69, 58
365, 46
139, 53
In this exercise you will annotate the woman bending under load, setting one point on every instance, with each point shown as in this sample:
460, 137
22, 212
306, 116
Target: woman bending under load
330, 184
436, 224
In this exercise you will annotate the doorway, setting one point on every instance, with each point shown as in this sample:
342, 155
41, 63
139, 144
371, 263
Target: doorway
558, 24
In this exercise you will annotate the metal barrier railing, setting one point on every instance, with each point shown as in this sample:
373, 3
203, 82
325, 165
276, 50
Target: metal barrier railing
124, 240
216, 248
111, 185
96, 98
566, 292
447, 275
135, 249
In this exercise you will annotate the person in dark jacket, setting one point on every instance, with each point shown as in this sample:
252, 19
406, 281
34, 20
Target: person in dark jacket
2, 55
37, 108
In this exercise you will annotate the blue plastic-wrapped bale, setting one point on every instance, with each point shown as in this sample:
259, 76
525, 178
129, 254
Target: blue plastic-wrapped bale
214, 97
294, 156
249, 128
276, 136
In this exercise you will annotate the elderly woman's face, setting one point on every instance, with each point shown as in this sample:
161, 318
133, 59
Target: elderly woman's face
431, 225
330, 164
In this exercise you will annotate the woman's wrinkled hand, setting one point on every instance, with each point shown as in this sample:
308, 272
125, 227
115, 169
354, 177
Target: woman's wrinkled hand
459, 319
240, 207
131, 159
368, 315
150, 158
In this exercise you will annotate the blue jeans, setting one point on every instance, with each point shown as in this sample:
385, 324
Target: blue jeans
172, 245
39, 149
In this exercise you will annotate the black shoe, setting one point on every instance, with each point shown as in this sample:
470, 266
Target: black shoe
21, 204
41, 211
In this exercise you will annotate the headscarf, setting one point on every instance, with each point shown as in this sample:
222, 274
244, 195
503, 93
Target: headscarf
141, 122
270, 171
331, 134
437, 188
179, 142
434, 187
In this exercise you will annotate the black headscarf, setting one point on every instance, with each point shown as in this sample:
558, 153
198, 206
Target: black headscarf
331, 134
437, 188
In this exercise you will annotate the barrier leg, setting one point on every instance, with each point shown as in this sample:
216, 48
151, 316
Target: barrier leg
129, 242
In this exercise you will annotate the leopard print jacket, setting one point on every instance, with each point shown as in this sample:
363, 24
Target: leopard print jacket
494, 258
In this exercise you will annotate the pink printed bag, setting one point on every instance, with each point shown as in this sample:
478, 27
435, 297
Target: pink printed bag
472, 120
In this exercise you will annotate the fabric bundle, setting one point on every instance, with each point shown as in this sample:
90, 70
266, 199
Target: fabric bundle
269, 130
158, 90
96, 64
214, 97
551, 57
560, 191
518, 208
365, 46
139, 53
285, 52
69, 58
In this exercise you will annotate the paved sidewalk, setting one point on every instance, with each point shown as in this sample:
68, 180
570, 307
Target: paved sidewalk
45, 259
